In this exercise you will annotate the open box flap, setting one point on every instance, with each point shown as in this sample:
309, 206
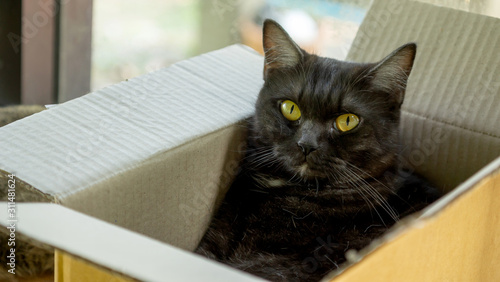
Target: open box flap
132, 153
450, 113
81, 142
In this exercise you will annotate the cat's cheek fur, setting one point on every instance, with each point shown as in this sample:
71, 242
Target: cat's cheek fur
364, 149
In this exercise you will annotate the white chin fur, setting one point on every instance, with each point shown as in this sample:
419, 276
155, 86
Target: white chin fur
303, 170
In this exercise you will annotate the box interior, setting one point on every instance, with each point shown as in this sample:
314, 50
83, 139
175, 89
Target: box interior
154, 154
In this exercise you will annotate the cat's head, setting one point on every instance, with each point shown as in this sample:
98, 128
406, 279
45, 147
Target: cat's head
322, 118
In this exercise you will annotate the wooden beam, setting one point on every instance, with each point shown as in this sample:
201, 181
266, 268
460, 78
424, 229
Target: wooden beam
10, 52
38, 59
74, 44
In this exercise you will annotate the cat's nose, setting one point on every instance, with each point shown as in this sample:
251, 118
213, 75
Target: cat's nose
307, 148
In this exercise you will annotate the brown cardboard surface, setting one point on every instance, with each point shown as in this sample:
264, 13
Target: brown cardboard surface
450, 112
459, 243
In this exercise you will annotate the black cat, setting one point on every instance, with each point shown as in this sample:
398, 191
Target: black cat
321, 173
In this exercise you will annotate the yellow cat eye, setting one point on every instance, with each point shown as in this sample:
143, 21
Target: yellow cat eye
347, 122
290, 110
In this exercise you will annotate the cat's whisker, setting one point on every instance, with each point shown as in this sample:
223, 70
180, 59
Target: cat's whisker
362, 171
274, 161
257, 151
261, 153
291, 180
261, 148
373, 207
367, 198
379, 199
375, 195
335, 178
262, 161
362, 192
258, 154
357, 180
317, 186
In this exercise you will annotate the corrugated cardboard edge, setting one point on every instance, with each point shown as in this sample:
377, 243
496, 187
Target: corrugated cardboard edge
116, 248
24, 191
418, 220
85, 139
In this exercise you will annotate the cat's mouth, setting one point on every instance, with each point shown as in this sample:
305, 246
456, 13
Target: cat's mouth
313, 168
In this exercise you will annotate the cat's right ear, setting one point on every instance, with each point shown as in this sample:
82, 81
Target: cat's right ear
391, 74
280, 50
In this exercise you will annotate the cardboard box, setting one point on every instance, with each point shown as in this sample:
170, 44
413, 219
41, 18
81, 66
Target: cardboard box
150, 158
148, 154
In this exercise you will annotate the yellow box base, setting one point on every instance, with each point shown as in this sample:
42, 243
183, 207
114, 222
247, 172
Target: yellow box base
70, 269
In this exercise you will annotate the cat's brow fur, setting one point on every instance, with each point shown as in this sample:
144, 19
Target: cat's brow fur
286, 206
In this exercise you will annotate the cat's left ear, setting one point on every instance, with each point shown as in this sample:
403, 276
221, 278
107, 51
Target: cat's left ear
280, 51
391, 74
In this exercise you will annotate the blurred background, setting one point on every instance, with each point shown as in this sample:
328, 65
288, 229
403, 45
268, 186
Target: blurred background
135, 40
57, 50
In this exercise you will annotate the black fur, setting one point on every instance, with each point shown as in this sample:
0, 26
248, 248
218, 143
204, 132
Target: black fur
291, 216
